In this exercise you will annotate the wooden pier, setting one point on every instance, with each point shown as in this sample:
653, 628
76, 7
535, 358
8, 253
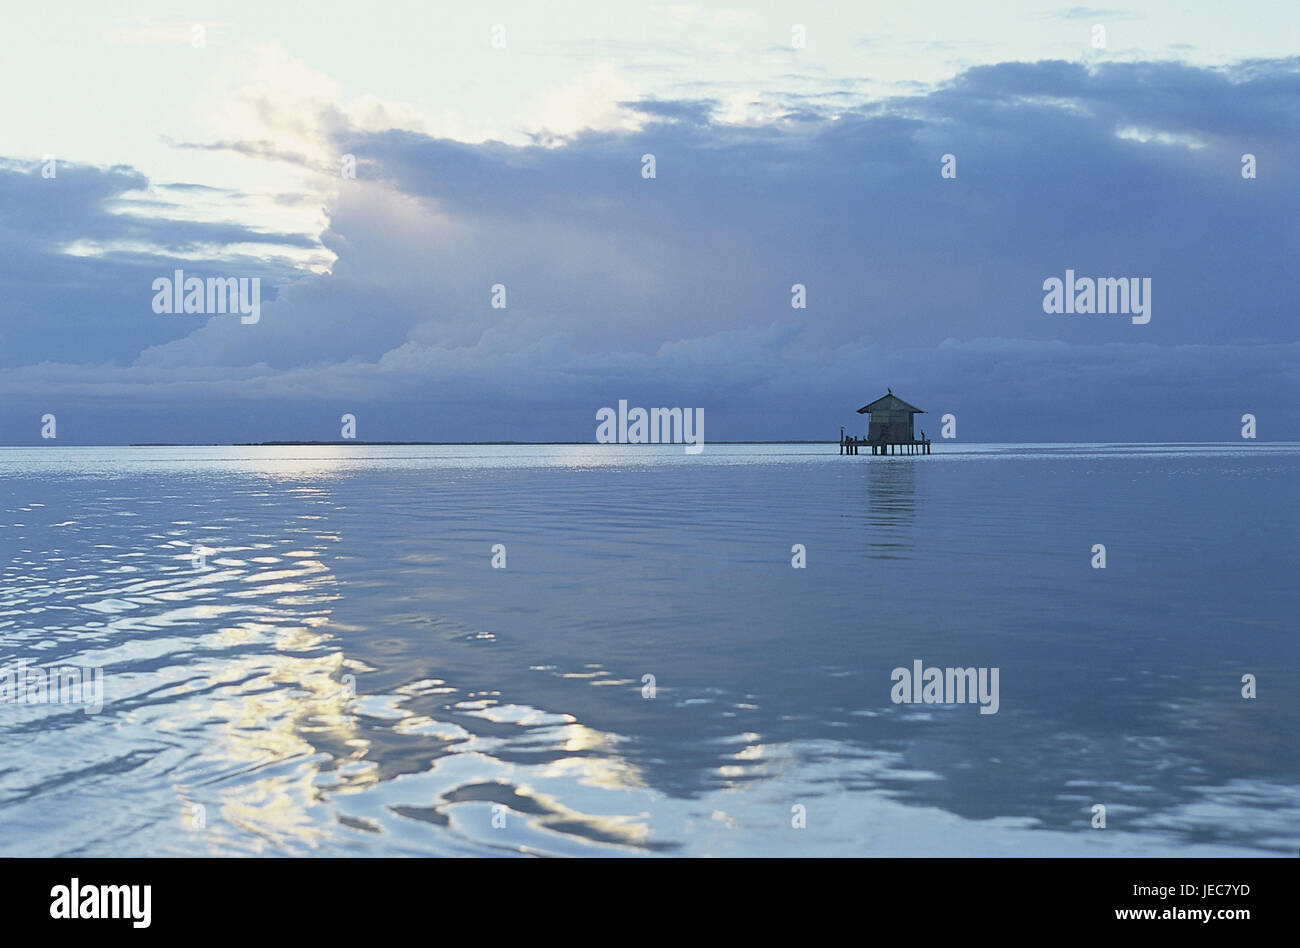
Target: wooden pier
852, 445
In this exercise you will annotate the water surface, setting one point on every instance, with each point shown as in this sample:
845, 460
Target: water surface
346, 673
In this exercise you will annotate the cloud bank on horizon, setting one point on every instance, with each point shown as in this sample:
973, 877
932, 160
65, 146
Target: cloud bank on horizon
922, 272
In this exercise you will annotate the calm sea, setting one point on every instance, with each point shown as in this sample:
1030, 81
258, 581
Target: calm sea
341, 669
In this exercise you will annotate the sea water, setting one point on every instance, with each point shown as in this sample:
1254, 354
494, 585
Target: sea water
609, 649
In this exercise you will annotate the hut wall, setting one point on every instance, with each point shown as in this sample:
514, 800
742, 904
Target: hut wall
893, 425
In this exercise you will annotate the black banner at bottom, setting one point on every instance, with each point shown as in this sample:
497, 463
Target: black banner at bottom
330, 897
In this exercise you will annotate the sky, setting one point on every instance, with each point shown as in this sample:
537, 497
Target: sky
503, 145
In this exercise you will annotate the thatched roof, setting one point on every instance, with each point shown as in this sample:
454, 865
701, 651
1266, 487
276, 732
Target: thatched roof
890, 402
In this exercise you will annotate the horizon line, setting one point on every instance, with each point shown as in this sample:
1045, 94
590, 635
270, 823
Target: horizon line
345, 443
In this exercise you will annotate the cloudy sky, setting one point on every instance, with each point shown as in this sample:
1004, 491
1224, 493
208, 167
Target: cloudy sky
503, 144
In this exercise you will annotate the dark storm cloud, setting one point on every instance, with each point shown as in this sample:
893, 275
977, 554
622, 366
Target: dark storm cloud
676, 290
